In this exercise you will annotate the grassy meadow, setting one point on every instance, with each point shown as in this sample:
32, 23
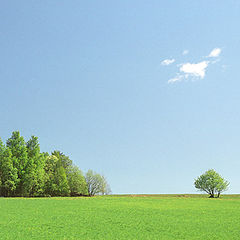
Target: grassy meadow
121, 217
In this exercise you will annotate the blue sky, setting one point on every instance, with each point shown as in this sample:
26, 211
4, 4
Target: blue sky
89, 78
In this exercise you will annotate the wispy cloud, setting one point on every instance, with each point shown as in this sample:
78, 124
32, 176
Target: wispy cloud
178, 78
195, 70
167, 62
215, 52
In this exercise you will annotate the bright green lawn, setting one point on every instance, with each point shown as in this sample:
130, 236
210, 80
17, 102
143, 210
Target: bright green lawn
121, 217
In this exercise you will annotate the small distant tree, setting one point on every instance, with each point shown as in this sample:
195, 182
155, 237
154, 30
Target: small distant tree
96, 184
93, 181
105, 187
212, 183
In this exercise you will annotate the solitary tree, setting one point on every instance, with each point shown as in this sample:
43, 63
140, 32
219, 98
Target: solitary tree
212, 183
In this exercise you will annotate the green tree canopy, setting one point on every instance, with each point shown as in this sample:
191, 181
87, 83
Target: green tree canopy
18, 148
77, 183
36, 162
8, 174
212, 183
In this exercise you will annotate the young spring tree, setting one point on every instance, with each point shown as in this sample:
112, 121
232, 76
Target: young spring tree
17, 146
212, 183
55, 176
36, 174
8, 174
76, 182
105, 187
96, 183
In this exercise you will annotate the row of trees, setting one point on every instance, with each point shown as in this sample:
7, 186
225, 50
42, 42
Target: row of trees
25, 171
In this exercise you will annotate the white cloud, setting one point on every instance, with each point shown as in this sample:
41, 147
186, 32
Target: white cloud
194, 69
191, 71
167, 62
178, 78
215, 52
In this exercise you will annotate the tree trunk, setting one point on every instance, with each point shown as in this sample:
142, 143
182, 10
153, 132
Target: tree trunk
218, 194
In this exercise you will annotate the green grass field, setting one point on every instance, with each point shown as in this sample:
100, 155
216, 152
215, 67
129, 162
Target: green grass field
121, 217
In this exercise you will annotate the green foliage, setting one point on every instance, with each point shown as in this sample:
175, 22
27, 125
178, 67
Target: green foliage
61, 183
50, 171
77, 183
56, 179
8, 174
96, 183
25, 171
211, 182
64, 160
105, 187
18, 148
36, 162
121, 218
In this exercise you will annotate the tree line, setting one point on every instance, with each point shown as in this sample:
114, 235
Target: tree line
27, 172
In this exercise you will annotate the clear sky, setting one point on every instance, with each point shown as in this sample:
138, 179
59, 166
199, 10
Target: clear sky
145, 92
